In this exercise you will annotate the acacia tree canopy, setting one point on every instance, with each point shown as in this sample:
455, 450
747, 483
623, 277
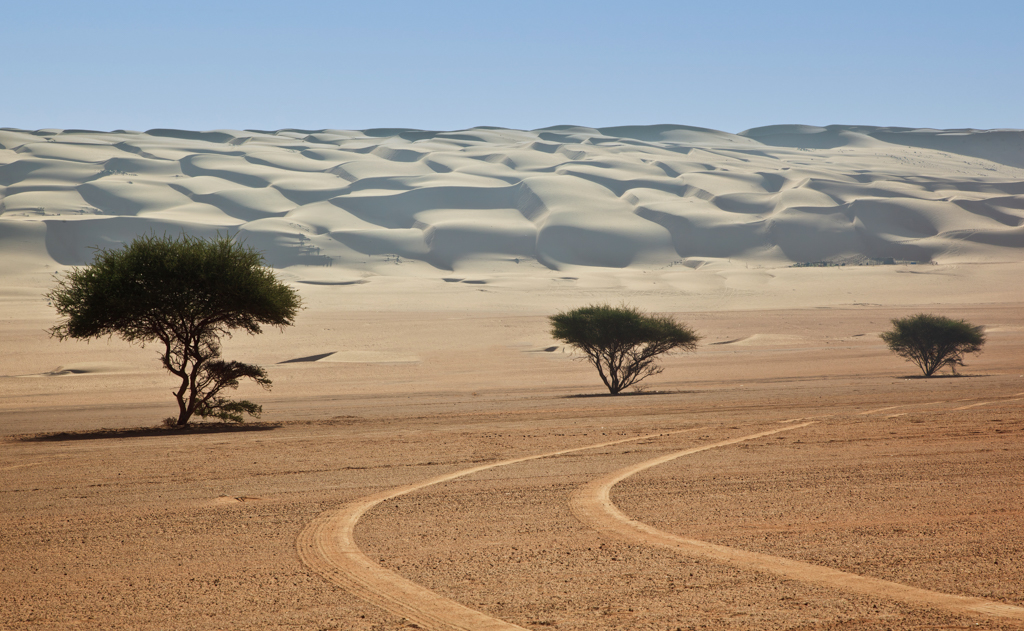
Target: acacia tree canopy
185, 294
621, 342
932, 341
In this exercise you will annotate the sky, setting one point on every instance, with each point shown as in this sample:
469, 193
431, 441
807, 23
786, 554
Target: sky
729, 65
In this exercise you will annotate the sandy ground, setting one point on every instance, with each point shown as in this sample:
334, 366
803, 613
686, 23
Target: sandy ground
431, 458
913, 483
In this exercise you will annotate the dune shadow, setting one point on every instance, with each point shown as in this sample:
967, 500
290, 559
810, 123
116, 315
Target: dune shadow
309, 358
135, 432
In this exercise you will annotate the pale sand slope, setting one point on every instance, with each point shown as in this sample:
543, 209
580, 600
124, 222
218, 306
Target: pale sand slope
346, 205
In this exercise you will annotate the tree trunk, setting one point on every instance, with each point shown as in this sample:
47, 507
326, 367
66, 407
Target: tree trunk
186, 393
184, 414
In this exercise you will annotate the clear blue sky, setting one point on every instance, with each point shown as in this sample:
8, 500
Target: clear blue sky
728, 65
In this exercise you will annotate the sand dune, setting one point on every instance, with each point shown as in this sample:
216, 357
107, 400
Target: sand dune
1004, 146
638, 197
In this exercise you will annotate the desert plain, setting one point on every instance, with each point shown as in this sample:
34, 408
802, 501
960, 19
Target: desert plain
429, 457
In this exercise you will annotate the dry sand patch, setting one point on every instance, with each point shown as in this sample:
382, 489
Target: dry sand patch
147, 532
562, 580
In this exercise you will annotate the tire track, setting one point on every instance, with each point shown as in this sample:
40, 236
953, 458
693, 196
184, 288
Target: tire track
974, 405
20, 466
327, 546
908, 405
593, 506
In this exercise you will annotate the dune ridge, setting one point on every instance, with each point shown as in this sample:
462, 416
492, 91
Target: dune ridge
347, 204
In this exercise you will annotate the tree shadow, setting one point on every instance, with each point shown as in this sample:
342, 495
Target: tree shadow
960, 375
135, 432
642, 393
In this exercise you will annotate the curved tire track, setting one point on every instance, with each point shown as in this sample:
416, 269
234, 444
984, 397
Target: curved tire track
592, 505
327, 546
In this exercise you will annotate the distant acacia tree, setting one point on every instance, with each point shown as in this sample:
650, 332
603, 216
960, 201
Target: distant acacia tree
621, 342
932, 341
185, 294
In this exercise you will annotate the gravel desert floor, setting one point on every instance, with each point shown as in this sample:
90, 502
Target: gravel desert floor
791, 474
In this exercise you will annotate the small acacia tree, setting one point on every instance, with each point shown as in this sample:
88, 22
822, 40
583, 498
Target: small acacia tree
621, 342
932, 341
184, 293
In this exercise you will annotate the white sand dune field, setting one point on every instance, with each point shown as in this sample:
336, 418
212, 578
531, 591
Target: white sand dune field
355, 202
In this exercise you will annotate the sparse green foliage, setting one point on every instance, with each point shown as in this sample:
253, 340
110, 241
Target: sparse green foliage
185, 294
932, 341
621, 342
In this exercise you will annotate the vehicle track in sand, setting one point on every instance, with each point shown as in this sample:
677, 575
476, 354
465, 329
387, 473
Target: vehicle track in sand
327, 546
593, 506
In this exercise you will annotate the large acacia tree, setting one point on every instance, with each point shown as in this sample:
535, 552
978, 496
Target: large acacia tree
184, 294
932, 341
621, 342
